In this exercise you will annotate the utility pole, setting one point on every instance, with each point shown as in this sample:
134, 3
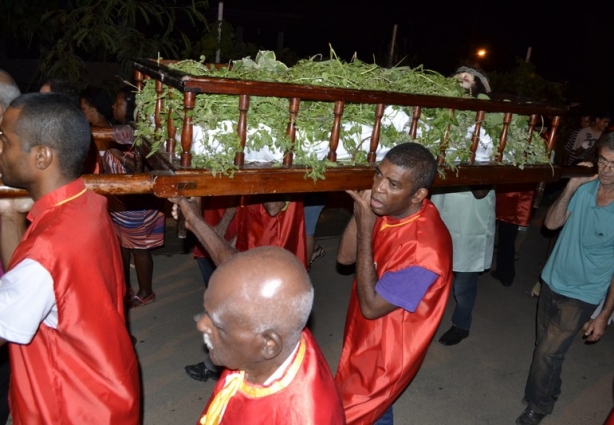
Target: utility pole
220, 17
392, 45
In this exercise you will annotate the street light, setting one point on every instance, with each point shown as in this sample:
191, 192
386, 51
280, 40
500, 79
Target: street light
481, 53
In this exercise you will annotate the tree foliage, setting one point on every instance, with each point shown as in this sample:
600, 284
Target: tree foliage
68, 32
524, 84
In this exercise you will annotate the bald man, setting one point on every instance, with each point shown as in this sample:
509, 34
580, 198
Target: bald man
256, 308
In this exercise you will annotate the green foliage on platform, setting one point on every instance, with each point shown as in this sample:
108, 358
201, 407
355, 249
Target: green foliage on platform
315, 119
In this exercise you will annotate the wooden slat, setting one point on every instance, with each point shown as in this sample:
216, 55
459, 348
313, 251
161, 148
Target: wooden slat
187, 83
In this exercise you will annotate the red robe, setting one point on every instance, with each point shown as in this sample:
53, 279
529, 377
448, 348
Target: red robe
257, 228
214, 208
85, 371
304, 395
381, 356
514, 203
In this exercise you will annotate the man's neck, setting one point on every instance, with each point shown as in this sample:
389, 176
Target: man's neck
273, 370
605, 194
40, 189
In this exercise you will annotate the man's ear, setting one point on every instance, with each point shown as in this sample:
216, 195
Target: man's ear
43, 156
419, 195
272, 344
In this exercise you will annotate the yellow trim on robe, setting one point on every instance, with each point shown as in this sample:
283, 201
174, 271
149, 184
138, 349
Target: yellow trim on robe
71, 198
280, 384
237, 383
403, 223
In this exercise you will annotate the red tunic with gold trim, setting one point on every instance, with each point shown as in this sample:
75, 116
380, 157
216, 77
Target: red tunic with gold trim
257, 228
84, 371
381, 356
304, 395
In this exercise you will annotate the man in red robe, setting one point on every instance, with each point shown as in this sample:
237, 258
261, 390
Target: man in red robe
274, 220
264, 220
403, 255
61, 307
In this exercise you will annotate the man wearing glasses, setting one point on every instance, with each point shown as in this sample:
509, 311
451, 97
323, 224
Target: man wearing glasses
577, 277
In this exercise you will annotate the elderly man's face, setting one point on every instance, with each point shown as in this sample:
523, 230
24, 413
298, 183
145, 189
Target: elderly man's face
227, 332
15, 164
605, 167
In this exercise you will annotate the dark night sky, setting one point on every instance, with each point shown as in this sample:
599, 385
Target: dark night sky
569, 43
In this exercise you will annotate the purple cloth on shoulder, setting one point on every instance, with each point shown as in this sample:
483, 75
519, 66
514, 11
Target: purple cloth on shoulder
405, 288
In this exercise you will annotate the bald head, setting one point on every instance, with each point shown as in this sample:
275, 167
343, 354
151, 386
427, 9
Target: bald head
265, 288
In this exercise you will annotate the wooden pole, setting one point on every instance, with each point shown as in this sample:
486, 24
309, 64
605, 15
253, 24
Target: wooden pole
392, 45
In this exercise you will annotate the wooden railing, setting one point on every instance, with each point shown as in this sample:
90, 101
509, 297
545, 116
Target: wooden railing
172, 175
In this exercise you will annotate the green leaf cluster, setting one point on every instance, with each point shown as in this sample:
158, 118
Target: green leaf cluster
315, 119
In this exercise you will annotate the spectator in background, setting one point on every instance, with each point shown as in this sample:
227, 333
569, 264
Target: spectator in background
138, 219
581, 142
96, 105
514, 209
61, 86
469, 215
93, 161
585, 121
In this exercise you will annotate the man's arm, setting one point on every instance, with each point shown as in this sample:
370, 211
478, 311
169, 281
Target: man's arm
217, 247
13, 215
372, 305
346, 253
222, 227
558, 214
596, 329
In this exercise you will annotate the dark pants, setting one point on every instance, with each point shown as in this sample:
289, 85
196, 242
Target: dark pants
5, 375
506, 252
465, 286
559, 319
386, 419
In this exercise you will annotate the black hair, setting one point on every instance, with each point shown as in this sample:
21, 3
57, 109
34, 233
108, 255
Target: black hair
130, 97
64, 87
51, 119
416, 158
606, 141
99, 99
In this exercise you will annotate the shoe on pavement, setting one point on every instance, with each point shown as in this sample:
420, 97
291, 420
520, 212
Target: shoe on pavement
453, 336
201, 373
504, 282
530, 417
